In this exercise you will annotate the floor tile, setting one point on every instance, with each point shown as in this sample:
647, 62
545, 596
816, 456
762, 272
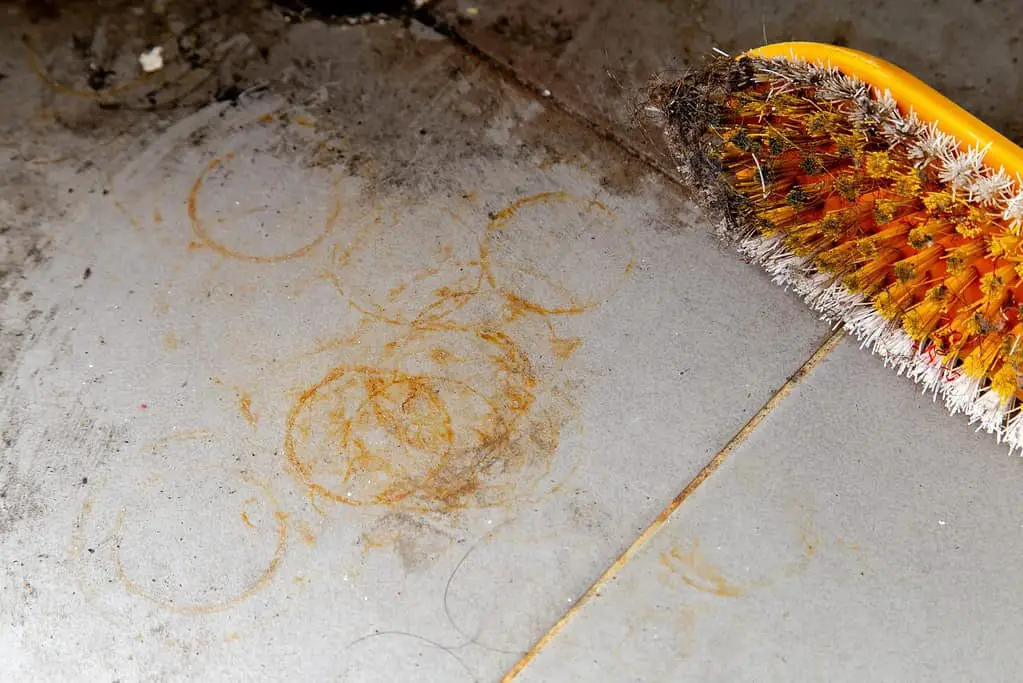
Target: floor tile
858, 534
334, 355
597, 57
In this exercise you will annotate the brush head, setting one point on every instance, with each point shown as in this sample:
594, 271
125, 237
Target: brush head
883, 220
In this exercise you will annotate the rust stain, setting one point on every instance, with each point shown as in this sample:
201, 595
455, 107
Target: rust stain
157, 216
246, 520
429, 441
370, 541
564, 347
306, 533
304, 121
170, 341
132, 220
202, 238
519, 304
181, 435
442, 356
245, 405
691, 566
254, 587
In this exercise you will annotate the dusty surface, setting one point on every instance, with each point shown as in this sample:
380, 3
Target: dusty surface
343, 351
596, 56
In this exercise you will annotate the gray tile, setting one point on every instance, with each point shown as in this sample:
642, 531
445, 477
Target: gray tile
859, 534
596, 57
364, 368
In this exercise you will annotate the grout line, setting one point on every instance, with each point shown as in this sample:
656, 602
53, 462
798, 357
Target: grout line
446, 29
594, 590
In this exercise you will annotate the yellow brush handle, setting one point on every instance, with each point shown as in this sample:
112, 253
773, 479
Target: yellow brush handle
908, 91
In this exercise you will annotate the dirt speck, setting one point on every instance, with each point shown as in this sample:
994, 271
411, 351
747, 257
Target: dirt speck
413, 539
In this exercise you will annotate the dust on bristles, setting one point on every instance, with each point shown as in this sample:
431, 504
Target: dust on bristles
881, 221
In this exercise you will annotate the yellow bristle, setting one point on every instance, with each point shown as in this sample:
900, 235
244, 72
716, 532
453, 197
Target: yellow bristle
994, 283
977, 363
921, 320
1005, 245
913, 266
939, 204
925, 234
893, 301
972, 223
956, 283
907, 185
878, 165
1005, 381
871, 276
964, 255
844, 186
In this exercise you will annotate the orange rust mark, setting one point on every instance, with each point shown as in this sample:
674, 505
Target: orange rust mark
246, 520
518, 306
564, 347
157, 216
443, 356
304, 121
517, 303
170, 341
375, 435
182, 435
129, 215
257, 585
375, 541
266, 118
697, 572
245, 404
204, 239
500, 218
306, 532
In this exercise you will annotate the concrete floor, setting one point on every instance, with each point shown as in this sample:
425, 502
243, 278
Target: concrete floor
350, 354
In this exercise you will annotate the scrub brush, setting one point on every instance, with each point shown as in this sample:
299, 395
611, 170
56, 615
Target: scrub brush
893, 212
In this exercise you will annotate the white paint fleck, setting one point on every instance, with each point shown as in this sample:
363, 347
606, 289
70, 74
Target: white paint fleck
152, 60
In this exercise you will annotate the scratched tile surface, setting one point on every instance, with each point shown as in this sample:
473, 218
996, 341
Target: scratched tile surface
858, 535
596, 55
328, 354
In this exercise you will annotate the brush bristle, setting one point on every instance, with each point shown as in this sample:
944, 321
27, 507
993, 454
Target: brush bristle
881, 222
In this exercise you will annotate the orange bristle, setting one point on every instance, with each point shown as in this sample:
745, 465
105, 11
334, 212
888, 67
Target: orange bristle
880, 219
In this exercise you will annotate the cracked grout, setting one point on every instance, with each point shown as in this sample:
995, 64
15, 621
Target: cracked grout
658, 522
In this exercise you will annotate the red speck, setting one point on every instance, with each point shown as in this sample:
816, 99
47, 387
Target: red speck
144, 406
